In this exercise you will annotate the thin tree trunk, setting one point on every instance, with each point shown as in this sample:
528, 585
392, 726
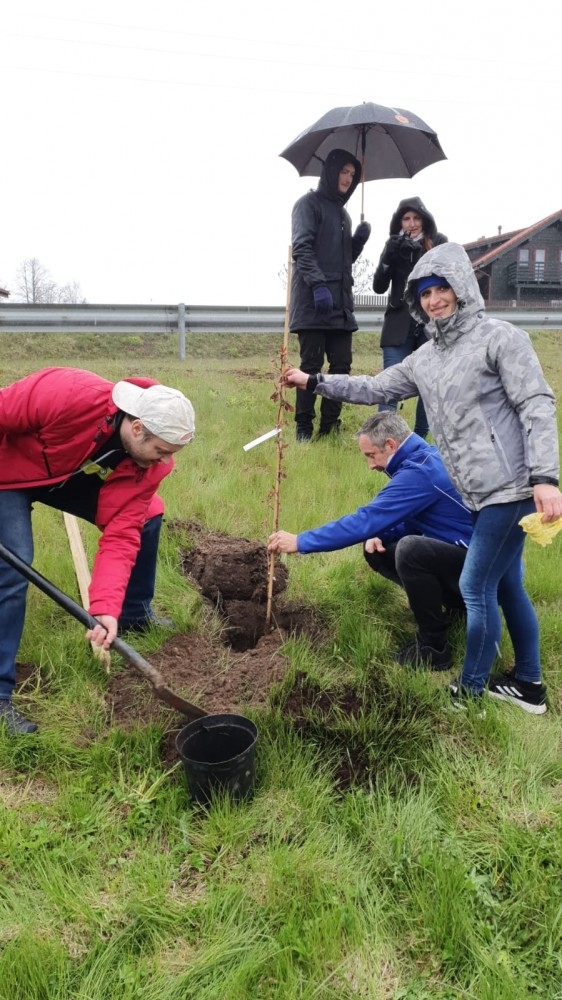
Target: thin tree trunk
280, 446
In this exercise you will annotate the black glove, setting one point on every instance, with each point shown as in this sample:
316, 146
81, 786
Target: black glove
323, 301
362, 232
390, 251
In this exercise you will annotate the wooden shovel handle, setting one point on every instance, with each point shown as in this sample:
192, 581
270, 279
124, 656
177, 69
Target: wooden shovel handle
82, 570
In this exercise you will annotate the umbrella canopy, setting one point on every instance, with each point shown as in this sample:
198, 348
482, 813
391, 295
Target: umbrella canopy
389, 142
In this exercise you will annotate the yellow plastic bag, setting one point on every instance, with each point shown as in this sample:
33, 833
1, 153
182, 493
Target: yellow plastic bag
539, 532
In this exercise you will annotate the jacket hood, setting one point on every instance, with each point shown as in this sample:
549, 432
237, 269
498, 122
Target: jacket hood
449, 261
413, 205
328, 183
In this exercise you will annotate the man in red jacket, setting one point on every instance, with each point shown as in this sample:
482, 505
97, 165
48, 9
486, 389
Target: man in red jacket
75, 441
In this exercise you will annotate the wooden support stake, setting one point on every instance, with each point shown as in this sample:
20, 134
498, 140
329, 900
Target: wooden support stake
280, 422
83, 575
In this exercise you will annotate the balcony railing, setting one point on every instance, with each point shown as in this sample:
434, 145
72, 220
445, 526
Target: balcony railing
534, 274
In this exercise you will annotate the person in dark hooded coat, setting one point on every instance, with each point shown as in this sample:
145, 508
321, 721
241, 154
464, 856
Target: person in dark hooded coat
321, 306
412, 233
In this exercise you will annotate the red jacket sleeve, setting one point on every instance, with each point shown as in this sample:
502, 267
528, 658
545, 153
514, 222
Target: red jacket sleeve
125, 502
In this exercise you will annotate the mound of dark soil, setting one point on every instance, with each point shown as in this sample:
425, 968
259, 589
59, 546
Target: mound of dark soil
240, 667
233, 574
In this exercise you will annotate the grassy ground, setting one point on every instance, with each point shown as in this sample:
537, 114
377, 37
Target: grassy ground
440, 879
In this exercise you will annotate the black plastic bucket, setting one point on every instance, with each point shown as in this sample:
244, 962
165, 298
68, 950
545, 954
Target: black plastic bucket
218, 754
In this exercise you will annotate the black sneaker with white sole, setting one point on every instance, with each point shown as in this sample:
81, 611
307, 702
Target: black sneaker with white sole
530, 697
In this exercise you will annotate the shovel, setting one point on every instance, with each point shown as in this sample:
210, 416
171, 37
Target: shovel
135, 659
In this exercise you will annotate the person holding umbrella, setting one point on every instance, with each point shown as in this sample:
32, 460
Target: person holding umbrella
493, 418
412, 233
321, 305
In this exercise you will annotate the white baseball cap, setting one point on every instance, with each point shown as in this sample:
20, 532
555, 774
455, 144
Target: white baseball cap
163, 411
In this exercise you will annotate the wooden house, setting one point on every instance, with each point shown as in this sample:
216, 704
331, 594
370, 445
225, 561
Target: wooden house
523, 266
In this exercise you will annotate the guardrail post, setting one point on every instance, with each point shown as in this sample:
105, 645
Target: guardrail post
181, 330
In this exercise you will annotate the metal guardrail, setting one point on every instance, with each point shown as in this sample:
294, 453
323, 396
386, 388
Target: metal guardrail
28, 318
182, 319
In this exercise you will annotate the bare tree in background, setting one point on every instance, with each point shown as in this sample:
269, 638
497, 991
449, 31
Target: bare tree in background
35, 284
71, 293
362, 271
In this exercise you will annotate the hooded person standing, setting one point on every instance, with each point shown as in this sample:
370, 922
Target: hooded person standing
412, 233
321, 308
493, 417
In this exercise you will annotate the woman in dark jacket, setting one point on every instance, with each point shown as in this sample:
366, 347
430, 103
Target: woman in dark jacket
412, 233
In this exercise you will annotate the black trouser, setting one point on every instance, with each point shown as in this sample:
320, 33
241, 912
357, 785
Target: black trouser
314, 345
429, 572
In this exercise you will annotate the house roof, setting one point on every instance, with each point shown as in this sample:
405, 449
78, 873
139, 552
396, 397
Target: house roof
4, 292
487, 240
518, 236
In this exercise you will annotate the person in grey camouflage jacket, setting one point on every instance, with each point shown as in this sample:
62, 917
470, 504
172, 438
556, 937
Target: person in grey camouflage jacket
492, 416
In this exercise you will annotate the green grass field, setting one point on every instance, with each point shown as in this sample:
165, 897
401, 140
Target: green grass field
441, 880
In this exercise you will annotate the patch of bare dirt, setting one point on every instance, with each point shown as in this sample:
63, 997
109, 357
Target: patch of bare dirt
250, 374
26, 672
238, 667
219, 681
322, 717
307, 701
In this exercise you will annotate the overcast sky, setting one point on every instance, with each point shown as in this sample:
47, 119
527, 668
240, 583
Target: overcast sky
141, 140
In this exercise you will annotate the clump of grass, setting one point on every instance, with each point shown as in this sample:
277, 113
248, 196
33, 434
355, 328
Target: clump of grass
390, 849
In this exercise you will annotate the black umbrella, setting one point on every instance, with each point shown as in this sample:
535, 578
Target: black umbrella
389, 142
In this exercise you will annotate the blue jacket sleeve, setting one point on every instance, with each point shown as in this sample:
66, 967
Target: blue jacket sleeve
403, 498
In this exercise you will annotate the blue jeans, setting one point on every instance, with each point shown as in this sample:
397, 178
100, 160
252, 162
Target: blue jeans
16, 534
393, 355
491, 578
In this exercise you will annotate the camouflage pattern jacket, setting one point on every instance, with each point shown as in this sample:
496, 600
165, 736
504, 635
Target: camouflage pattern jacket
489, 407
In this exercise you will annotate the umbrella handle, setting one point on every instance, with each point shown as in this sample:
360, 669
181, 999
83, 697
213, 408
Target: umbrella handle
362, 219
363, 149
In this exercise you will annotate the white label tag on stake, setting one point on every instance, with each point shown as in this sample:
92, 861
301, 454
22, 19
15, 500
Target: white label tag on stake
264, 437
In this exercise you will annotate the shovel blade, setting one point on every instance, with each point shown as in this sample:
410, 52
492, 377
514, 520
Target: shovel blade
174, 701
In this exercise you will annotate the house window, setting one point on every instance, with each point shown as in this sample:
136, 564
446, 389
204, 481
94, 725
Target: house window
539, 264
523, 258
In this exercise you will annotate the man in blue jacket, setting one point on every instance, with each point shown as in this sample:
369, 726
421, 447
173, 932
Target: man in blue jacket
415, 532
